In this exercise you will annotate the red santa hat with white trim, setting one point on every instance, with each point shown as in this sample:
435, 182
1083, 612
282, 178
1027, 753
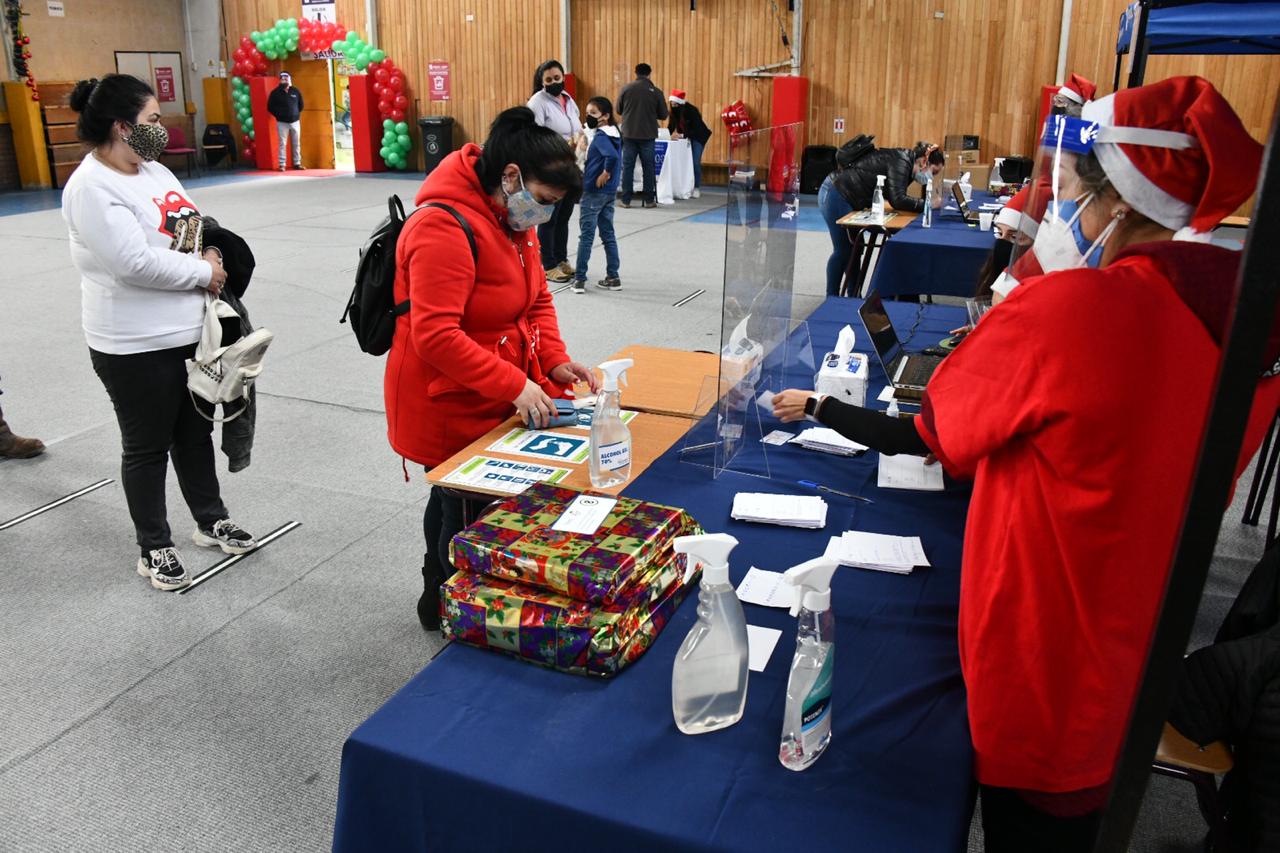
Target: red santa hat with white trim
1177, 152
677, 96
1078, 89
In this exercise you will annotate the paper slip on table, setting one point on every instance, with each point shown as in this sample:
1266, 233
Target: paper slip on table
668, 381
651, 436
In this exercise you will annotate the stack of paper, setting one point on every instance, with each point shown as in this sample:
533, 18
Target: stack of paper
828, 441
788, 510
879, 551
909, 472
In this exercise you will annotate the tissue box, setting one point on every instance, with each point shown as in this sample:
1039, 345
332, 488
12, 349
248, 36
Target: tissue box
556, 631
514, 540
843, 376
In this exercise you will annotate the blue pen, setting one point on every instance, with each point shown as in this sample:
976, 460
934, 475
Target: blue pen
809, 484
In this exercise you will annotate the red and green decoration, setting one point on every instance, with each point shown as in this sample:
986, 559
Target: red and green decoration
13, 13
329, 41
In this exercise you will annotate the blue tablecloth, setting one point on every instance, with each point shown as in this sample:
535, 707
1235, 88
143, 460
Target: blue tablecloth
944, 259
482, 752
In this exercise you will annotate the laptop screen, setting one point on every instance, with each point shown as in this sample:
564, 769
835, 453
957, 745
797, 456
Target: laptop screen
880, 329
959, 196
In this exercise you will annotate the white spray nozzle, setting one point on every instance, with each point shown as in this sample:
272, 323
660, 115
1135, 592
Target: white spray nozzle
615, 370
709, 550
880, 180
812, 582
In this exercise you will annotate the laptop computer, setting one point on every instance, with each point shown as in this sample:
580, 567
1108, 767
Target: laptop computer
906, 373
969, 215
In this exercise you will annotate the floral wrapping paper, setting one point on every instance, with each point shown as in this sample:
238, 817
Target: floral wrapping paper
514, 541
556, 631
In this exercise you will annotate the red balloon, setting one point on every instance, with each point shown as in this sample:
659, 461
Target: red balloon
396, 82
246, 42
397, 115
384, 106
35, 96
382, 75
238, 53
402, 103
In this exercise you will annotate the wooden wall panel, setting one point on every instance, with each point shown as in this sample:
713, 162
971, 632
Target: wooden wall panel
83, 43
241, 17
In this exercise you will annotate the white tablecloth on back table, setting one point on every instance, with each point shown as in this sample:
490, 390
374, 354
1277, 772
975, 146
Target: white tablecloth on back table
673, 160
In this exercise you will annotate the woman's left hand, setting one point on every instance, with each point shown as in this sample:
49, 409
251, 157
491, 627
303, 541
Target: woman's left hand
572, 371
788, 406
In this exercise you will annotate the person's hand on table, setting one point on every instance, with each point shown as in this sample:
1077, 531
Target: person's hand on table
533, 405
676, 135
937, 202
572, 371
602, 179
788, 405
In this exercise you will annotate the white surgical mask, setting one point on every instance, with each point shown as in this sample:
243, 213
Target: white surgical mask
1060, 241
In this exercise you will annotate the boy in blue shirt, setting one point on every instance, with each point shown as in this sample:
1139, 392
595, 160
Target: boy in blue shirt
599, 185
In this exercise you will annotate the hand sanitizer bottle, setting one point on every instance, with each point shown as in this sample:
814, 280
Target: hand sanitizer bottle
877, 201
893, 411
709, 679
806, 723
610, 461
927, 221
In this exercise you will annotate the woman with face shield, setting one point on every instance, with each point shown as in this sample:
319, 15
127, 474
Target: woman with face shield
1076, 407
480, 340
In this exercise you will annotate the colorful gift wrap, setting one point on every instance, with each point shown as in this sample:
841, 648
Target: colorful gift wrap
514, 540
556, 631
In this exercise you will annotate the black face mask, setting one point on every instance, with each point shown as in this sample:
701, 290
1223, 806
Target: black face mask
1057, 111
554, 89
1000, 253
593, 121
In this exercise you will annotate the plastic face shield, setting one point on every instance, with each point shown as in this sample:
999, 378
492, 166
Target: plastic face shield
1053, 201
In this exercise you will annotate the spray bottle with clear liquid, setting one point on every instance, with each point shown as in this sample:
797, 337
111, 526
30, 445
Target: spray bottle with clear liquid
877, 201
610, 461
927, 220
806, 723
709, 679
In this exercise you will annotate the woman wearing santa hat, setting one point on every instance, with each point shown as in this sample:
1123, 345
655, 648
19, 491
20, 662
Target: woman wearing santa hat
686, 123
1076, 407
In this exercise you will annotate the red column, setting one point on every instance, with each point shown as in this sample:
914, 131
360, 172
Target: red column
790, 104
366, 124
266, 141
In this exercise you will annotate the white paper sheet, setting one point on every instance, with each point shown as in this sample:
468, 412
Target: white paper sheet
788, 510
584, 514
778, 437
767, 589
909, 472
879, 551
760, 644
828, 441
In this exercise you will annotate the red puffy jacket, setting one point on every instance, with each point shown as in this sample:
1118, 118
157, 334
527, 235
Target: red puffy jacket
474, 330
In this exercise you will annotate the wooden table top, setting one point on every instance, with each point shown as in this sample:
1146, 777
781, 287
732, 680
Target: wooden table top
669, 382
895, 221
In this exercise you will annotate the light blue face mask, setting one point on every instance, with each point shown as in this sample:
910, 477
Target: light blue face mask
922, 178
524, 211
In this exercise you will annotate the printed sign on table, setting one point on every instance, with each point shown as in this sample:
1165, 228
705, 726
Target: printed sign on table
164, 84
544, 445
438, 81
586, 414
503, 475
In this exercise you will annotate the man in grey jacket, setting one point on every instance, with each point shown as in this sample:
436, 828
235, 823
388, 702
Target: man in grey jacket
641, 105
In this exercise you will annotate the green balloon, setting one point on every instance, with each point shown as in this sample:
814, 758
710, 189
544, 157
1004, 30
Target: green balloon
362, 64
384, 152
291, 44
236, 83
293, 23
403, 139
352, 36
377, 55
402, 127
388, 124
255, 36
248, 124
338, 46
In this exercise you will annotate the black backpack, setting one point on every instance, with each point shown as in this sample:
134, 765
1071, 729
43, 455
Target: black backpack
854, 150
372, 306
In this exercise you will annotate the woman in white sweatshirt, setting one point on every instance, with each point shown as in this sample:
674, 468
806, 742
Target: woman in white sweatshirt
142, 307
552, 107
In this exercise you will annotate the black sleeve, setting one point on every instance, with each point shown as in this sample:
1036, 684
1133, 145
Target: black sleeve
876, 430
273, 104
663, 112
895, 188
300, 106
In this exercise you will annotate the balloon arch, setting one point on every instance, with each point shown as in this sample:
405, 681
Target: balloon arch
327, 41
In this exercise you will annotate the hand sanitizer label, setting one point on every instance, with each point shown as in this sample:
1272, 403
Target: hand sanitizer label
815, 714
615, 456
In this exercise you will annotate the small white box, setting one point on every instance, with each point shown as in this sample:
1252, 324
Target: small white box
843, 376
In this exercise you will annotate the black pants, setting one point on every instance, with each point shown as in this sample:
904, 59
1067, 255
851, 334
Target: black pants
553, 235
446, 515
158, 422
1012, 825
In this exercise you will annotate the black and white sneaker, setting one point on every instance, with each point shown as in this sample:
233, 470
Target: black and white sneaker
164, 567
609, 284
579, 285
227, 535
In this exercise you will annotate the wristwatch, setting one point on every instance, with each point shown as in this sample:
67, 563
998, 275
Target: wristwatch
812, 406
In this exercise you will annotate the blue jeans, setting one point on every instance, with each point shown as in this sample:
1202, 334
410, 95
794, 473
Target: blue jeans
630, 148
697, 163
596, 211
833, 206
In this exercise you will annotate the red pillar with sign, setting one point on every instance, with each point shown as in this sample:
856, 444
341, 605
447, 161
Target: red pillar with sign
266, 142
366, 124
790, 105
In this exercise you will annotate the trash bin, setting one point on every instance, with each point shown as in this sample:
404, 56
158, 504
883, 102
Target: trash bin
437, 139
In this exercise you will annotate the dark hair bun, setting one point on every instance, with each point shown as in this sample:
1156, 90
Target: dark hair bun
514, 120
81, 93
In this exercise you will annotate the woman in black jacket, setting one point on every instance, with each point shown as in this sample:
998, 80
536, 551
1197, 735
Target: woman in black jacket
686, 123
849, 188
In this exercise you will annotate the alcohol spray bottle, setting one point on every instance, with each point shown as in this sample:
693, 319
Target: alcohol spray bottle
806, 724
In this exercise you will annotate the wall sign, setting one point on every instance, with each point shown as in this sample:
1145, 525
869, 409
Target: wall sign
165, 91
57, 9
323, 11
438, 81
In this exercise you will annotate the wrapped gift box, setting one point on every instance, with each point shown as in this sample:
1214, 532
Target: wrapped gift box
556, 631
514, 540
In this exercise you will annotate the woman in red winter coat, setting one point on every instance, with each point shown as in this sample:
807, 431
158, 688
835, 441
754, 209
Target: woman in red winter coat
480, 340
